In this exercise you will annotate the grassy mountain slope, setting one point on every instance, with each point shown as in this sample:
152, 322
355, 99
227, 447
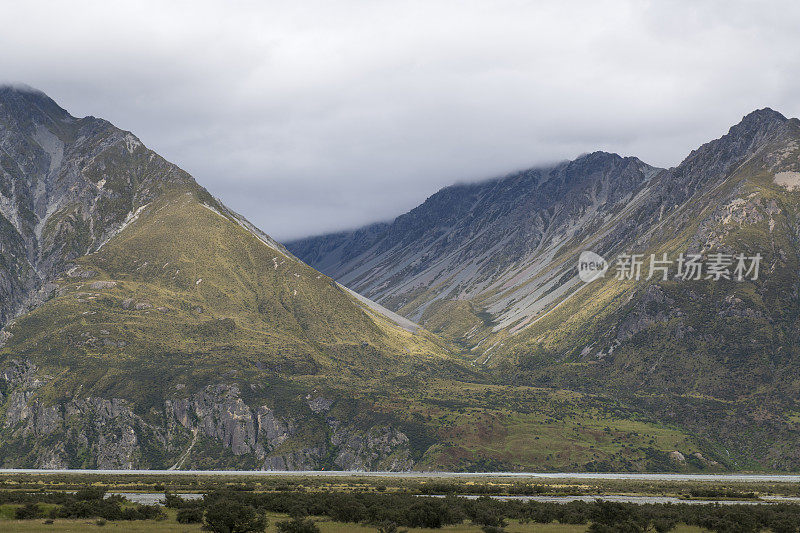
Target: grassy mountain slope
160, 329
66, 185
202, 283
186, 300
717, 359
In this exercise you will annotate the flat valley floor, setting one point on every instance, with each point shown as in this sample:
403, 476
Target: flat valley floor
738, 496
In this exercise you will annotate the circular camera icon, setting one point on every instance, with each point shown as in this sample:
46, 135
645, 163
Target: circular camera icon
591, 266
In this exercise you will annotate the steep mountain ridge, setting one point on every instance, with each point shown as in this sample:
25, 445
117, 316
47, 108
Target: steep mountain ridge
481, 243
717, 357
65, 188
474, 256
156, 328
145, 293
481, 261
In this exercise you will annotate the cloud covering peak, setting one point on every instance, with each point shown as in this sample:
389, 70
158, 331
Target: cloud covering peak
317, 116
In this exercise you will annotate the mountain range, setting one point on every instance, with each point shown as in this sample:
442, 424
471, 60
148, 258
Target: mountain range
146, 325
492, 267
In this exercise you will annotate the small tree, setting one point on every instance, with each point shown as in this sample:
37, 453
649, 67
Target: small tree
230, 516
298, 525
190, 515
90, 493
28, 511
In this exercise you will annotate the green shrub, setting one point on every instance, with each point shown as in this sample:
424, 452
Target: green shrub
231, 516
28, 511
298, 525
90, 493
190, 515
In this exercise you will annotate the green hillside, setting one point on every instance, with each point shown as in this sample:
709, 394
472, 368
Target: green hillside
716, 357
148, 326
186, 300
186, 279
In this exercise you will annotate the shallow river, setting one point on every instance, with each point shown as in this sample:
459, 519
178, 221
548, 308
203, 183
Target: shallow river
152, 498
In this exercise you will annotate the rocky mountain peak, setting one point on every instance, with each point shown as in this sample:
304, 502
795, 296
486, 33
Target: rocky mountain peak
599, 162
28, 106
761, 117
756, 128
597, 156
717, 158
66, 186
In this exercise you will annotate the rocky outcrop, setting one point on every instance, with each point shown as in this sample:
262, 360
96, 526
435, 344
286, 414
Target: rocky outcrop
219, 413
651, 308
379, 448
108, 434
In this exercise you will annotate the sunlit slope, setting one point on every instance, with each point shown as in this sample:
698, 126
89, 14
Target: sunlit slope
185, 302
659, 333
718, 357
188, 304
187, 283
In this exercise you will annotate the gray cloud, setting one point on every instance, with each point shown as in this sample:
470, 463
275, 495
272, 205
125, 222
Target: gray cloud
317, 116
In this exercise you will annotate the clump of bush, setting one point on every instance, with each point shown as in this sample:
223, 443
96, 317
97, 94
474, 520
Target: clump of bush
29, 511
232, 516
90, 493
190, 515
229, 511
405, 510
297, 525
88, 502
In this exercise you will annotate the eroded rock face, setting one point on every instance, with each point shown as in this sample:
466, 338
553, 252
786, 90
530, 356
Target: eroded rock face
303, 459
108, 434
653, 307
379, 448
219, 413
107, 429
67, 185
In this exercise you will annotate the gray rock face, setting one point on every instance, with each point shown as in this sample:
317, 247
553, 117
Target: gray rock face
486, 241
66, 186
508, 245
110, 435
380, 448
319, 404
112, 422
218, 412
653, 307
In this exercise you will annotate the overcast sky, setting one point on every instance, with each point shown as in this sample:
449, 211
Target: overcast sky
310, 117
